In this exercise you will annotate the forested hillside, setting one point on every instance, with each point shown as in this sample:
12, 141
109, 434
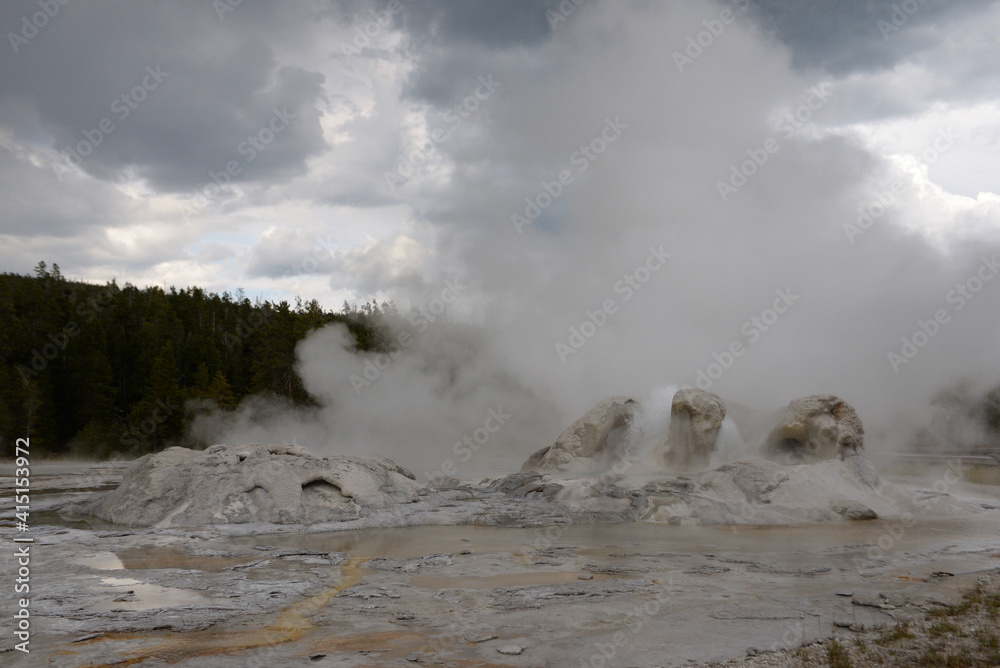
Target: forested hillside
97, 370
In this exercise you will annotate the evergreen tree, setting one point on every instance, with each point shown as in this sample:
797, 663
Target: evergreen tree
157, 418
220, 391
107, 369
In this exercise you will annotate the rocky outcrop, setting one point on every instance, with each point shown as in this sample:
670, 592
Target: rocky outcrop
695, 419
589, 443
248, 487
235, 484
815, 428
763, 492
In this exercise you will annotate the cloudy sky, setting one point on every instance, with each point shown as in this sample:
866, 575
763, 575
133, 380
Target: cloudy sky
536, 153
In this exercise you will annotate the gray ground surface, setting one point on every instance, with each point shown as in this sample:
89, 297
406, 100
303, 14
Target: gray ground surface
628, 594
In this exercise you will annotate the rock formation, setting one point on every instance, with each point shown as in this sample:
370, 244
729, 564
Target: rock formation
258, 485
254, 485
231, 484
754, 491
695, 419
815, 428
589, 443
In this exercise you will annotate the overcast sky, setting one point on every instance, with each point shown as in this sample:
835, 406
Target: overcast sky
381, 149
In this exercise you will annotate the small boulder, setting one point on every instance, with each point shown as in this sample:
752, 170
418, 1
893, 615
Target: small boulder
511, 650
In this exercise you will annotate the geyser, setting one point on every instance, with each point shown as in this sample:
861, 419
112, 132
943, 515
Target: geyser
232, 484
695, 419
591, 442
814, 428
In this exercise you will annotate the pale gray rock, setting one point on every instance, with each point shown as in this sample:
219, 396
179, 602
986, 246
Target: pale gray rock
815, 428
511, 650
235, 484
695, 419
244, 490
852, 510
591, 442
765, 492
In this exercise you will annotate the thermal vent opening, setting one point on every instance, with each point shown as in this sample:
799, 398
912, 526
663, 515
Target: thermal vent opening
617, 440
258, 493
789, 446
324, 491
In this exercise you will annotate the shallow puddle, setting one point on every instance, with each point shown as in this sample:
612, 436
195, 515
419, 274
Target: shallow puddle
154, 558
158, 558
102, 561
131, 594
625, 539
405, 542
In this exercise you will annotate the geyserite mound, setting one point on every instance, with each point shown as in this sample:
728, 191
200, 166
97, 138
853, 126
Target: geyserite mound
234, 484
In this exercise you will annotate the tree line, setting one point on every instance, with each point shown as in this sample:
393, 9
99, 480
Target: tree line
105, 370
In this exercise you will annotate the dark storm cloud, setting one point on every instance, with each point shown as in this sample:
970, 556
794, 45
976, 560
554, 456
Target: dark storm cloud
844, 36
453, 43
177, 89
458, 41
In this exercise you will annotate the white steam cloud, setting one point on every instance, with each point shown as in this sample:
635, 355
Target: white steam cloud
776, 284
